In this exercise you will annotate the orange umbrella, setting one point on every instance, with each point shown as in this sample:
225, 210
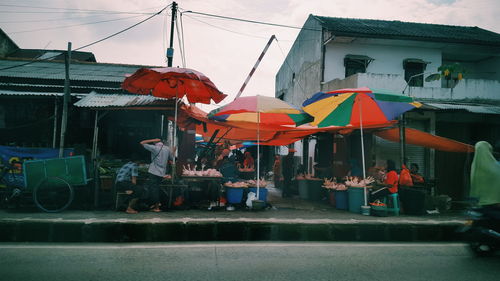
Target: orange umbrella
172, 82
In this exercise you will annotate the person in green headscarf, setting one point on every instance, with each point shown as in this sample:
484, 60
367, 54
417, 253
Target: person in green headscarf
485, 175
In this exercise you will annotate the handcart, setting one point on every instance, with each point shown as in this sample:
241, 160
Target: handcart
51, 181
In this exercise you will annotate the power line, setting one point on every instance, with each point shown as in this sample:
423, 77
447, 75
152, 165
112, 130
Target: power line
73, 25
182, 32
93, 43
64, 10
119, 32
48, 20
253, 21
180, 41
225, 29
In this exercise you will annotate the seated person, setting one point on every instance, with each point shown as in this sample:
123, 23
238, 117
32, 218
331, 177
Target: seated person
126, 181
415, 176
390, 182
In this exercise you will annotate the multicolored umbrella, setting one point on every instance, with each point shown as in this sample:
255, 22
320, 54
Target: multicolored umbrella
349, 106
173, 82
357, 107
260, 110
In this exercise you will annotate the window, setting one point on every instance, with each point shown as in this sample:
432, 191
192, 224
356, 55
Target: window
414, 72
356, 64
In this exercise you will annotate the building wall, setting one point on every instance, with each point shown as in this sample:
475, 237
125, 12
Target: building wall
6, 44
472, 89
387, 59
304, 59
488, 69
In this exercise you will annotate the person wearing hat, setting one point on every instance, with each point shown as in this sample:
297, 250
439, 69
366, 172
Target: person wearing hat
288, 173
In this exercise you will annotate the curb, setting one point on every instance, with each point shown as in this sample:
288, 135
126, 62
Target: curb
223, 230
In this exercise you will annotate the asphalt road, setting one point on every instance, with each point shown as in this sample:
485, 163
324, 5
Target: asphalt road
244, 261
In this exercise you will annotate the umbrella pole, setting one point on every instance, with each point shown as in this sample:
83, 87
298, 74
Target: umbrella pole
362, 148
258, 155
174, 145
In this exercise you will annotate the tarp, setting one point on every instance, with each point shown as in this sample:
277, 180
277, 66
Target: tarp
424, 139
9, 152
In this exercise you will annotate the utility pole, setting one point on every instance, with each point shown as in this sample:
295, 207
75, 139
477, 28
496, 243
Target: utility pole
64, 122
170, 50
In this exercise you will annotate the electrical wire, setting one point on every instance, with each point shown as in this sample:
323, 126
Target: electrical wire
50, 20
225, 29
244, 34
252, 21
180, 39
73, 25
93, 43
65, 10
182, 32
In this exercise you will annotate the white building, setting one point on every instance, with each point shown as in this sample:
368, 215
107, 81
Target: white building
334, 53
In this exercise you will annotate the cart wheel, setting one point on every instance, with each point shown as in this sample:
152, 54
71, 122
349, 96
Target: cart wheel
53, 195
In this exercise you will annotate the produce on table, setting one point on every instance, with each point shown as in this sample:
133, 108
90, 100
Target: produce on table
357, 182
203, 173
239, 184
333, 185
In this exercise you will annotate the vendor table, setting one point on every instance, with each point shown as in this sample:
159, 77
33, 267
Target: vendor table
211, 181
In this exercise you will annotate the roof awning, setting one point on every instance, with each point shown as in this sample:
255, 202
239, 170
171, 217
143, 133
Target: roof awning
473, 108
412, 60
424, 139
365, 60
106, 101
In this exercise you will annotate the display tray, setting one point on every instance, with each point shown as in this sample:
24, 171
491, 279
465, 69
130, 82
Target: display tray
200, 177
230, 186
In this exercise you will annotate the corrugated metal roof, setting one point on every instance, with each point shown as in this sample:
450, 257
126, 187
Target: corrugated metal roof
94, 100
23, 93
78, 71
409, 30
474, 108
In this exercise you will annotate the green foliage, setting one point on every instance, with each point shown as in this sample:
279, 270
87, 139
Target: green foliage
451, 71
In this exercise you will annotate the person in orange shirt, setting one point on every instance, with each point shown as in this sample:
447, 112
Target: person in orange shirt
390, 182
248, 162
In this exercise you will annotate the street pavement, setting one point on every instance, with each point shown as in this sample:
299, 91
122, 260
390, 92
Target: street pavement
244, 261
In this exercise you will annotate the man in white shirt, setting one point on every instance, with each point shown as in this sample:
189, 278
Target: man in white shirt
160, 155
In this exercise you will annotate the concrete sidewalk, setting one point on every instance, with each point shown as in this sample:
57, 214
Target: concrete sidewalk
290, 219
277, 224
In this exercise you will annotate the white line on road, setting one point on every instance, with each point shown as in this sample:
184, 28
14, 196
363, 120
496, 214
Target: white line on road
222, 245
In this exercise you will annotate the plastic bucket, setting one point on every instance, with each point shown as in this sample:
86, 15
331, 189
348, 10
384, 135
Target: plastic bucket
341, 199
234, 195
356, 199
303, 189
314, 189
365, 210
262, 193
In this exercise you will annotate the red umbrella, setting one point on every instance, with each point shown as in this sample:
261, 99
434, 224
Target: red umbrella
172, 82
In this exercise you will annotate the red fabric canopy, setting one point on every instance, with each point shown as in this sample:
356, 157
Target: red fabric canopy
424, 139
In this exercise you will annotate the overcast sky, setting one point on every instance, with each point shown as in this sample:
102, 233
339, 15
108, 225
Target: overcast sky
224, 50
